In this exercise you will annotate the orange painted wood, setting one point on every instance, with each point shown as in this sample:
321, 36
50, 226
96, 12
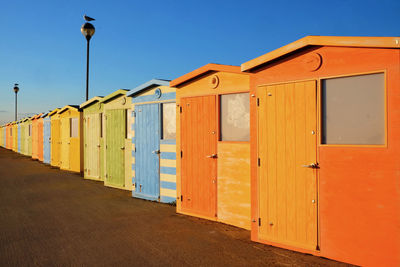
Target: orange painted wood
338, 41
199, 140
202, 71
358, 186
288, 194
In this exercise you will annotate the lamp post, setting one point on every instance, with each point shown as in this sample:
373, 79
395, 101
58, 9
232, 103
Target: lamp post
16, 90
87, 31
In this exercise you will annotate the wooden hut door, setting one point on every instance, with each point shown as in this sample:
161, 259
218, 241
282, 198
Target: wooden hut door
55, 142
115, 147
92, 145
287, 152
199, 159
46, 140
65, 140
147, 155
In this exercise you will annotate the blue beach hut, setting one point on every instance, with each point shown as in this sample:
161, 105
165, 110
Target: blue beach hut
46, 138
153, 130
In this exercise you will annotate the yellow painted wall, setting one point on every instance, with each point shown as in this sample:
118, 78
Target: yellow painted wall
234, 183
71, 147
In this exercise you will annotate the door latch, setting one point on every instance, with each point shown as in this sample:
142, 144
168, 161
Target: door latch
212, 156
155, 151
312, 166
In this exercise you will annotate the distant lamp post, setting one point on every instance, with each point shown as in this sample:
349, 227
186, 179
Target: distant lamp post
16, 90
87, 31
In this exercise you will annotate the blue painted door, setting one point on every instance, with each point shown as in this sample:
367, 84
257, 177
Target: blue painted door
19, 138
147, 155
46, 140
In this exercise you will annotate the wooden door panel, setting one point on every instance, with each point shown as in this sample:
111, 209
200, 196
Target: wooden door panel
115, 145
147, 143
92, 143
64, 146
198, 141
287, 140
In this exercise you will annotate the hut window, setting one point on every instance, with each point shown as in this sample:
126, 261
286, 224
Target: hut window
73, 127
10, 131
168, 121
235, 117
29, 130
101, 124
353, 110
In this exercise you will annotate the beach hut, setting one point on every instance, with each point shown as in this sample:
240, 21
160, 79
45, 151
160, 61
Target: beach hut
325, 148
15, 136
4, 136
93, 149
153, 130
213, 144
118, 144
35, 136
39, 140
71, 151
55, 145
46, 138
22, 136
1, 136
19, 136
9, 136
29, 137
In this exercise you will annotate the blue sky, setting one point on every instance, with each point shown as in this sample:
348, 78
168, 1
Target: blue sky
43, 50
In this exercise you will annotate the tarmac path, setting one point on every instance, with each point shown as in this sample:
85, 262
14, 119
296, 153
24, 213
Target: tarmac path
50, 217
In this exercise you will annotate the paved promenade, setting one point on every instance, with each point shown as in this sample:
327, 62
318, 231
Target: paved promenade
50, 217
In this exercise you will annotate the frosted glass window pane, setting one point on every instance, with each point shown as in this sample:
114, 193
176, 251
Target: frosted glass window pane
235, 117
169, 120
74, 127
353, 110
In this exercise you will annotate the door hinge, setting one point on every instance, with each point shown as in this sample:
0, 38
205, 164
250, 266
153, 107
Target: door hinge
181, 153
181, 198
258, 102
180, 109
259, 221
259, 162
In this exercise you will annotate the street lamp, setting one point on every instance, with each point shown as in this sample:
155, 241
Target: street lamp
16, 90
87, 31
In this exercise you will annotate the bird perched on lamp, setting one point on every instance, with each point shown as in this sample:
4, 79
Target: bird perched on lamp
88, 18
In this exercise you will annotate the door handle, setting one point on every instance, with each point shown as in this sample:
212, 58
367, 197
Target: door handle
155, 151
123, 148
312, 166
212, 156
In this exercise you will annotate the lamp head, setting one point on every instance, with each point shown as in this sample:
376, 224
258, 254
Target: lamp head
16, 88
88, 30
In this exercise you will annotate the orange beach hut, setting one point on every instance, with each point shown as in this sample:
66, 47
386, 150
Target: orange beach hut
35, 136
213, 144
325, 148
